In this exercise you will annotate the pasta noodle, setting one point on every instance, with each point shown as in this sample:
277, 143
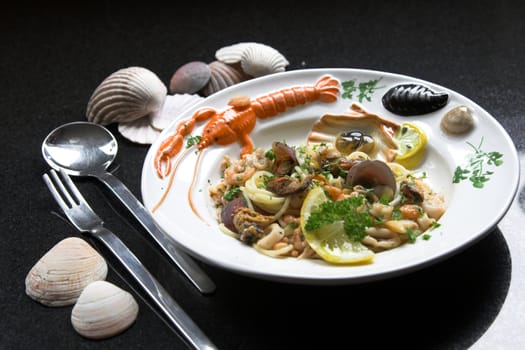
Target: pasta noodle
270, 221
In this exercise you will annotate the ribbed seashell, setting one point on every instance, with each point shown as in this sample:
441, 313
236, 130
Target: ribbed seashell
171, 110
58, 278
459, 120
413, 99
127, 94
222, 76
190, 78
139, 131
331, 127
256, 59
103, 310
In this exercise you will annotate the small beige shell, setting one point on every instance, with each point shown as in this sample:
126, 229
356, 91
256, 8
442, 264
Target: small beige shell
222, 76
459, 120
256, 59
58, 278
103, 310
127, 94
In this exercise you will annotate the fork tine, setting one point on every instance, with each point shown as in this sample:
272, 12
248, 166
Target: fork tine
66, 191
54, 191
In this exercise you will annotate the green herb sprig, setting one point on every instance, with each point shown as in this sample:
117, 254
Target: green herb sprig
476, 171
366, 89
354, 222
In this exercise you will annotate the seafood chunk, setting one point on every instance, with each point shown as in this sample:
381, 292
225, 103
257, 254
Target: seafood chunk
373, 174
413, 99
357, 130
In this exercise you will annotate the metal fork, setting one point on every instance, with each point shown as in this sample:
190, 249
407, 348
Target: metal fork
74, 205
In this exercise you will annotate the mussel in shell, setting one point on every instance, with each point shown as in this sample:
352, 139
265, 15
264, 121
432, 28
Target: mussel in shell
413, 99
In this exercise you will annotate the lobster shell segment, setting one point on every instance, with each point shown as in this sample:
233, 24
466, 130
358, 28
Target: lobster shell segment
413, 99
325, 90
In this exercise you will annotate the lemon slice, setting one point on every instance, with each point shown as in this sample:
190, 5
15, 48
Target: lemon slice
331, 242
412, 145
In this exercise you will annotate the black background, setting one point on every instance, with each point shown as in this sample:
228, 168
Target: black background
54, 55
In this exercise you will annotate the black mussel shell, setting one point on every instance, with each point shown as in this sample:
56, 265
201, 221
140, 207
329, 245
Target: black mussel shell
413, 99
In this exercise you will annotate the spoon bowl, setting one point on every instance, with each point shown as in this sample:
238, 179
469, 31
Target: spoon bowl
87, 149
80, 148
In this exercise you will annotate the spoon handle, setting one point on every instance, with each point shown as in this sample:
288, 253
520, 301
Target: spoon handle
189, 267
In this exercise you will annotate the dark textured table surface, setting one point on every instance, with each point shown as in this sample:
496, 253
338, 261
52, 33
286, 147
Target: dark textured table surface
54, 56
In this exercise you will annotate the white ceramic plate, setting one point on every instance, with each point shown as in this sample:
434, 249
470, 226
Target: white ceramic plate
471, 212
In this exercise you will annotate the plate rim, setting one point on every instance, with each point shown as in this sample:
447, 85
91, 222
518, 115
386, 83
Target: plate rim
330, 280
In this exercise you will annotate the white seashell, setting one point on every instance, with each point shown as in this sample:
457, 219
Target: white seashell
58, 278
459, 120
256, 59
233, 53
139, 131
172, 108
222, 76
127, 94
190, 78
103, 310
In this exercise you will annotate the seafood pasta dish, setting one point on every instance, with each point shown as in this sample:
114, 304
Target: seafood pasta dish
339, 196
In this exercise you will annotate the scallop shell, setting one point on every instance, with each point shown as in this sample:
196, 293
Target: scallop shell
222, 76
126, 95
139, 131
190, 78
413, 99
329, 126
173, 107
146, 130
103, 310
256, 59
459, 120
58, 278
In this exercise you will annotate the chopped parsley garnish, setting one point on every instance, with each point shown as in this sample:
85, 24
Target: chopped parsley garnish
193, 140
355, 221
232, 193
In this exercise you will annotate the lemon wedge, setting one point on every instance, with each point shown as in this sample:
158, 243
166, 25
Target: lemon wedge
331, 242
412, 145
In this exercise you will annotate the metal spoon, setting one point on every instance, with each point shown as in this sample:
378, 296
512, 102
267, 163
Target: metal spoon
87, 149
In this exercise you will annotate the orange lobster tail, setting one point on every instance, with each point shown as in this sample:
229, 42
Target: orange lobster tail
326, 90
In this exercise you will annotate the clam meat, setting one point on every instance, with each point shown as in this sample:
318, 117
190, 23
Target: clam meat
413, 99
357, 130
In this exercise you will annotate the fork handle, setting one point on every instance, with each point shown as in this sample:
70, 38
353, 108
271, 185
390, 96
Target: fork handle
191, 332
189, 267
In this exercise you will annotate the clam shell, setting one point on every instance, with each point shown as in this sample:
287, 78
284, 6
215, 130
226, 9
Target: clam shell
172, 108
222, 76
413, 99
126, 95
329, 126
190, 78
256, 59
459, 120
103, 310
58, 278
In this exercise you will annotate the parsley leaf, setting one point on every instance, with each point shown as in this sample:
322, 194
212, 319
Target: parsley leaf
355, 221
